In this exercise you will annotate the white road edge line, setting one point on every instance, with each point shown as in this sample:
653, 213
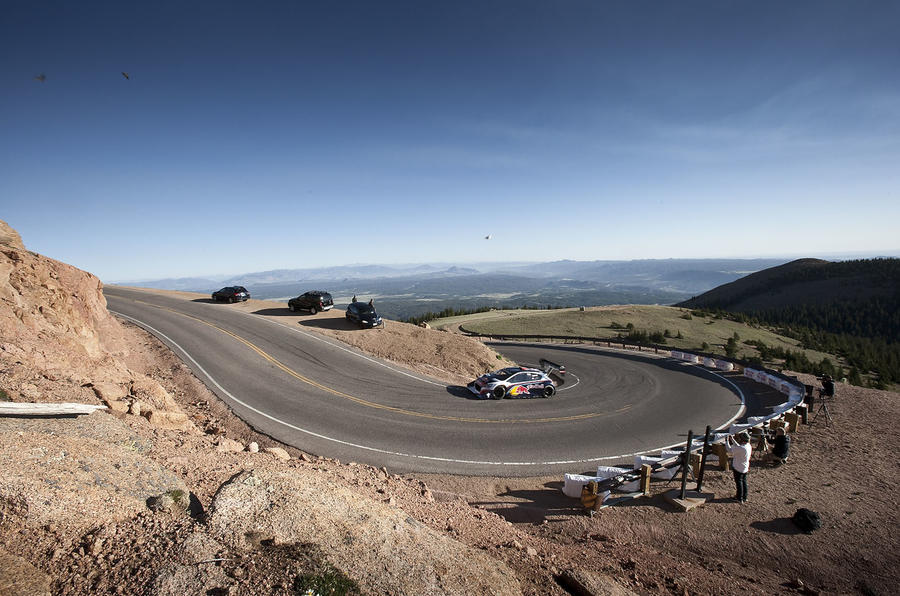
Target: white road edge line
159, 333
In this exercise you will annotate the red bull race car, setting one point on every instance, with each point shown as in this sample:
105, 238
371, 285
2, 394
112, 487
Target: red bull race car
515, 381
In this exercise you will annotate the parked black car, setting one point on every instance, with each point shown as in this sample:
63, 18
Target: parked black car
363, 314
315, 301
231, 294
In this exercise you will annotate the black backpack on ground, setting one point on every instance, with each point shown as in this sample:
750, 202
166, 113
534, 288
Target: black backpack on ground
807, 520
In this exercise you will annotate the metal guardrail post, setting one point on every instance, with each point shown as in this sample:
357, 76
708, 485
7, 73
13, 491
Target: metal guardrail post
703, 458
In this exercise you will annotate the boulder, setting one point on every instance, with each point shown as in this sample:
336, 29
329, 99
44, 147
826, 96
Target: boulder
83, 472
169, 420
18, 577
226, 445
278, 452
380, 547
109, 392
584, 583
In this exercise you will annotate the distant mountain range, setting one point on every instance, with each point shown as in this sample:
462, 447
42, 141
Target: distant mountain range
409, 290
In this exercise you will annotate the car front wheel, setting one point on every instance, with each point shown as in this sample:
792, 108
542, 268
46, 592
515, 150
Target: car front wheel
498, 392
549, 390
291, 308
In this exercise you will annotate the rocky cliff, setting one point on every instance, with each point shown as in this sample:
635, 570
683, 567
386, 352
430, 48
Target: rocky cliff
137, 500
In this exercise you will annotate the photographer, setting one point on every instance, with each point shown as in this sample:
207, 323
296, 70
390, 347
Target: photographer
781, 447
740, 450
827, 390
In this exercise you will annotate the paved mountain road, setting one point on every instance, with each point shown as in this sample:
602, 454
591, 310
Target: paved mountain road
321, 396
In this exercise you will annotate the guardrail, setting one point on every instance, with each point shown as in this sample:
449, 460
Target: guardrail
610, 342
635, 482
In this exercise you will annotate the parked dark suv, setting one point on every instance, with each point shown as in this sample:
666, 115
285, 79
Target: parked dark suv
231, 294
315, 301
363, 314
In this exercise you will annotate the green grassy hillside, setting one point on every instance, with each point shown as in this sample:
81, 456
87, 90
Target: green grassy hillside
610, 322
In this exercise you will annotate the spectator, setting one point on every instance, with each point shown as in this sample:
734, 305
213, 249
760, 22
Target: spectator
740, 450
781, 447
827, 386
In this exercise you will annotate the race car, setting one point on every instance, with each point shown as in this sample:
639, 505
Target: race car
515, 381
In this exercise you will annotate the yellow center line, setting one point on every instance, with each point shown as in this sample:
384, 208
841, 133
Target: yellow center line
378, 406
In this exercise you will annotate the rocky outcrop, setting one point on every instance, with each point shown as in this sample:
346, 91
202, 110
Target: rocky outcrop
54, 325
9, 237
380, 547
78, 473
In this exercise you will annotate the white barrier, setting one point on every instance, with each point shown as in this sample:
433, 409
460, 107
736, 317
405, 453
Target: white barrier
794, 392
685, 356
573, 483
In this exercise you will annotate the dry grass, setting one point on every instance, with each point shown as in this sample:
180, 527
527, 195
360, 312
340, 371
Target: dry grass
602, 322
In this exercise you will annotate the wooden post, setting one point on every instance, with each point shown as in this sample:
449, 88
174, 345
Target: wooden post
696, 458
803, 411
703, 457
722, 453
685, 463
645, 479
793, 421
589, 496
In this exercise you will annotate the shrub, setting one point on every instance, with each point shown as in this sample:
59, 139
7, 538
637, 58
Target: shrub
329, 581
657, 337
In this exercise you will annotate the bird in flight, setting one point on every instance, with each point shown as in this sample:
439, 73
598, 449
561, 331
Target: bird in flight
41, 77
126, 75
488, 237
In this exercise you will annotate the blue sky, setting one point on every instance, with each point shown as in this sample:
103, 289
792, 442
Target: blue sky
255, 136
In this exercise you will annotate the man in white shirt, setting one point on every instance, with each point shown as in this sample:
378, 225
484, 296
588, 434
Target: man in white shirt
740, 450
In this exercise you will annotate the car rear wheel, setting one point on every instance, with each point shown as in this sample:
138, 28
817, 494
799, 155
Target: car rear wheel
313, 310
498, 392
549, 390
291, 308
231, 300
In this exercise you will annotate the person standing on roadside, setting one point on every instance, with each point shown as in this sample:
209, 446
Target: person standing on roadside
740, 450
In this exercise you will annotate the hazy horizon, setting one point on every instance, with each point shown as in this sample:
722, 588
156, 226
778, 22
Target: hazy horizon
493, 266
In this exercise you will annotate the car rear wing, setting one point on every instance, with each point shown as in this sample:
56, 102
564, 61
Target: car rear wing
552, 367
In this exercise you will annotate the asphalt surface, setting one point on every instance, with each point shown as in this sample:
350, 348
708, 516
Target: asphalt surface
319, 395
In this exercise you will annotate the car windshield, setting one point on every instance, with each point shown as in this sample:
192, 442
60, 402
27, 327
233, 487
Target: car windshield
504, 373
365, 309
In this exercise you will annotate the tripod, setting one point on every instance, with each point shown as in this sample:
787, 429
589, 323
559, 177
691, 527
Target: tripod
823, 408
